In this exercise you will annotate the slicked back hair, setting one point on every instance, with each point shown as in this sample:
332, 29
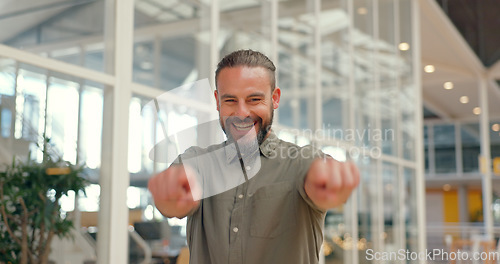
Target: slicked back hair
248, 58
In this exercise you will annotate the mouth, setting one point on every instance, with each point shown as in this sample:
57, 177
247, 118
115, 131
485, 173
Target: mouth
244, 126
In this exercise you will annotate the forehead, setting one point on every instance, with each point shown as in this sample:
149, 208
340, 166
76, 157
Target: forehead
242, 78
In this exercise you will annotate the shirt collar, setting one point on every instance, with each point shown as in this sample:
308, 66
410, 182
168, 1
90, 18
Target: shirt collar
266, 148
269, 145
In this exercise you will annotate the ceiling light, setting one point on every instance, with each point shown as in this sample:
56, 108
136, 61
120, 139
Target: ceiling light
448, 85
495, 127
446, 187
429, 68
362, 11
464, 99
476, 110
404, 46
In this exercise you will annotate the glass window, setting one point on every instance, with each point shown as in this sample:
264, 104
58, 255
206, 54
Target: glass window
144, 63
91, 125
5, 122
444, 145
366, 204
470, 135
495, 138
410, 215
426, 148
364, 71
94, 56
57, 28
388, 63
296, 66
181, 61
391, 205
30, 108
7, 77
171, 43
62, 124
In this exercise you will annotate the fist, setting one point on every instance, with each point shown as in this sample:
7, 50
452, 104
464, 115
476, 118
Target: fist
329, 183
175, 191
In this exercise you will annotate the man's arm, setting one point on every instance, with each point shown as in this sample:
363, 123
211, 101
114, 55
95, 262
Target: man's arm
175, 191
329, 183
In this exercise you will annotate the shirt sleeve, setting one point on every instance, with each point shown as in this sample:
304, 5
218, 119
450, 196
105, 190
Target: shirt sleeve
308, 155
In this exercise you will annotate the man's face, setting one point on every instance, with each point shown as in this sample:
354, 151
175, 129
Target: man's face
245, 102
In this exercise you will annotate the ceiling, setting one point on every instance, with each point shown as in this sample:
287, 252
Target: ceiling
457, 59
17, 16
478, 22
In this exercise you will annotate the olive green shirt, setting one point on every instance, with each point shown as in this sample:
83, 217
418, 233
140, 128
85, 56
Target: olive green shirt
266, 218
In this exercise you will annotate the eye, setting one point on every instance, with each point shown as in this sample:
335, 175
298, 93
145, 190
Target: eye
255, 99
229, 100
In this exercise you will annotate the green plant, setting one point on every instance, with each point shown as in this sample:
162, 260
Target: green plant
30, 213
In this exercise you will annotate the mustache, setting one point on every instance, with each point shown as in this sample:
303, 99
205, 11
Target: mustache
237, 120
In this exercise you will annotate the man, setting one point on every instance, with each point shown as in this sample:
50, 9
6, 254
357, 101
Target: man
276, 213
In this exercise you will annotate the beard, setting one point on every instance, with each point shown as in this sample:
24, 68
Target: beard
264, 127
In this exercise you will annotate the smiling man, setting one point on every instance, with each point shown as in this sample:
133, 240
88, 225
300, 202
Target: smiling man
273, 210
246, 95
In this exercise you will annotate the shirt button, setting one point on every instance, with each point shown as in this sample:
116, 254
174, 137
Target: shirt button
248, 168
235, 230
240, 196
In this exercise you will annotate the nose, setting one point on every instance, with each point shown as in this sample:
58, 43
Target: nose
242, 110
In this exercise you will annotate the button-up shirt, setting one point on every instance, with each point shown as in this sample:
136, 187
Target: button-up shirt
263, 215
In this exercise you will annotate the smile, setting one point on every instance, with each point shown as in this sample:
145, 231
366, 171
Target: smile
243, 126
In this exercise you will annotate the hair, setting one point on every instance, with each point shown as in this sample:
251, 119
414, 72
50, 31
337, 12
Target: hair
248, 58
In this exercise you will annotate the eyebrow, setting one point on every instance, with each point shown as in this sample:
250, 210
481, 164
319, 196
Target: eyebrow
257, 94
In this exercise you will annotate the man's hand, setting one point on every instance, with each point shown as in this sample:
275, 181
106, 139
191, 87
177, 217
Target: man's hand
329, 183
175, 191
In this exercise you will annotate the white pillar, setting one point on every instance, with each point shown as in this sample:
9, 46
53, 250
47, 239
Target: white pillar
318, 109
463, 206
112, 242
458, 150
484, 125
351, 214
419, 118
318, 115
377, 188
431, 150
274, 47
214, 39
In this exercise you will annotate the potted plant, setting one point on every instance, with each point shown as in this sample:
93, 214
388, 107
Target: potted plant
30, 213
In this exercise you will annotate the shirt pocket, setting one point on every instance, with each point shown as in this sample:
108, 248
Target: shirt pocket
273, 210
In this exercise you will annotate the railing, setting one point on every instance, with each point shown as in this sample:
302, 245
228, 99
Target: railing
148, 254
89, 240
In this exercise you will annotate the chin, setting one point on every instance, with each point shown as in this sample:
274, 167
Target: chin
250, 136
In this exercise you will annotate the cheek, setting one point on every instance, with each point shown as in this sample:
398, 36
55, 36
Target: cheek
225, 111
264, 112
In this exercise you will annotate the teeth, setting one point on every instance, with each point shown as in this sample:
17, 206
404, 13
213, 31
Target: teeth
243, 126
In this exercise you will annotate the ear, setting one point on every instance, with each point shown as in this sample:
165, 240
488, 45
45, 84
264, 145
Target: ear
276, 97
216, 94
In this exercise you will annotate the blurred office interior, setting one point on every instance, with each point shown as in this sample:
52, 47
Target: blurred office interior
407, 89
